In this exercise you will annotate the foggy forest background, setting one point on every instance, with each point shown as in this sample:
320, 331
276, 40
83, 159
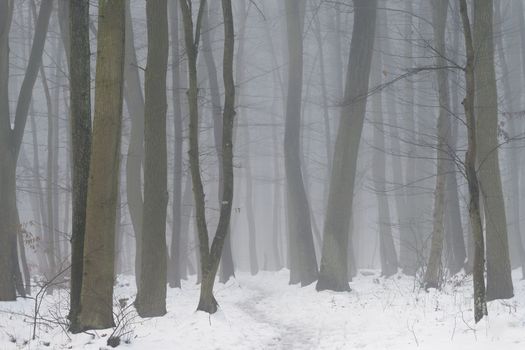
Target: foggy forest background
163, 139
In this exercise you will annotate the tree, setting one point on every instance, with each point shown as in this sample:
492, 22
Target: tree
151, 292
433, 273
333, 273
176, 249
209, 22
499, 280
10, 143
388, 255
303, 263
480, 304
135, 156
210, 257
80, 104
96, 298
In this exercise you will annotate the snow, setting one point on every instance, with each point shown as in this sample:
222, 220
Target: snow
264, 312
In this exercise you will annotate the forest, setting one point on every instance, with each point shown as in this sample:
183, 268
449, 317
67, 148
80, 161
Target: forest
262, 174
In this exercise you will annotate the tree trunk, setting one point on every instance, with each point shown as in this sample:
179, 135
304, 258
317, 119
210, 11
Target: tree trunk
97, 287
499, 280
80, 104
388, 255
135, 155
333, 274
151, 292
175, 268
227, 270
303, 263
11, 140
480, 304
511, 83
434, 272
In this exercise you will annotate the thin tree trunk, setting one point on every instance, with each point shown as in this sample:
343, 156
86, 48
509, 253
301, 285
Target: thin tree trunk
388, 255
480, 304
135, 155
175, 270
11, 140
434, 272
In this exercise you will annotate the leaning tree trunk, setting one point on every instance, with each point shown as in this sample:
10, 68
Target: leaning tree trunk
303, 262
11, 140
80, 104
333, 274
96, 298
480, 304
227, 268
499, 280
151, 292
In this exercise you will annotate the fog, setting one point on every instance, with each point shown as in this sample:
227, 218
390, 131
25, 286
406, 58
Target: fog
333, 147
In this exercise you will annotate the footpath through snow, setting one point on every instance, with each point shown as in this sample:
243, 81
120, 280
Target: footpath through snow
264, 312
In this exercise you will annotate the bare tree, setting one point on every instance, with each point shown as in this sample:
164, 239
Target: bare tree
333, 273
80, 104
10, 142
303, 263
96, 298
151, 292
499, 280
480, 304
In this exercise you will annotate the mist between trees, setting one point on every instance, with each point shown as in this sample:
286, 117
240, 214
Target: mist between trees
170, 138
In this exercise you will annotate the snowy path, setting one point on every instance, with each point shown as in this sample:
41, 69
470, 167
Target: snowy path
264, 312
291, 336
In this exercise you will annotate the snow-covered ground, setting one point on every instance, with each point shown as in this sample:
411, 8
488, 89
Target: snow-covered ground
264, 312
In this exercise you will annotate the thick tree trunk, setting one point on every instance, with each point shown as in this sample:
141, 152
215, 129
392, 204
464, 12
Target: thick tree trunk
333, 274
499, 281
151, 292
80, 104
97, 287
303, 263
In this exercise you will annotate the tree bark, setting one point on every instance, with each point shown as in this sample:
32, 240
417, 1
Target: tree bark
480, 304
80, 104
96, 296
499, 280
151, 293
175, 268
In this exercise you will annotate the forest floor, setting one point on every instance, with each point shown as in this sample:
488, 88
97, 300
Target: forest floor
264, 312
